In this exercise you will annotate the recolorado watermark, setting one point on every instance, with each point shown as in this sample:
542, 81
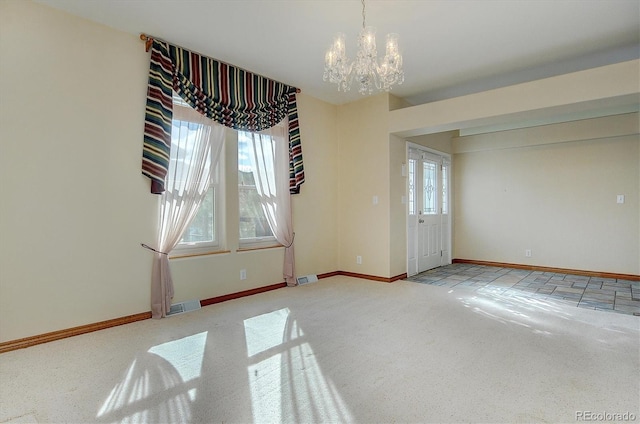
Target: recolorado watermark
605, 416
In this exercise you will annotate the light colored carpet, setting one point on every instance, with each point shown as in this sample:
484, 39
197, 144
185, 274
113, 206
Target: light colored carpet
339, 350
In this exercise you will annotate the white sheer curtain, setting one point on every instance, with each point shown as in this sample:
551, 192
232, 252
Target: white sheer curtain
195, 139
269, 155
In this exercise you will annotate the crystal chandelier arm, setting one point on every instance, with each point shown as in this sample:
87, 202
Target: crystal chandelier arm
365, 69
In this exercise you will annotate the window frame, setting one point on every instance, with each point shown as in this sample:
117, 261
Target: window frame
217, 185
249, 243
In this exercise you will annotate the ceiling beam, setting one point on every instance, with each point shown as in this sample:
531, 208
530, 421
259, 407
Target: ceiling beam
598, 89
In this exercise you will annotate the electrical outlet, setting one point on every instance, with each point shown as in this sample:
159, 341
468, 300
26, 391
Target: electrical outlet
243, 274
359, 260
527, 253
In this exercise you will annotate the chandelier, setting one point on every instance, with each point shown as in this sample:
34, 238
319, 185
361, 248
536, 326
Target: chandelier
365, 69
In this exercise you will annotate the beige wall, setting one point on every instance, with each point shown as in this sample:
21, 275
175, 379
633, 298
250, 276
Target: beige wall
439, 141
364, 173
316, 209
397, 102
552, 190
75, 206
397, 207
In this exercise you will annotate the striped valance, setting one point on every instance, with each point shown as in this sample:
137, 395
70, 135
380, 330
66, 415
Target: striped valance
229, 95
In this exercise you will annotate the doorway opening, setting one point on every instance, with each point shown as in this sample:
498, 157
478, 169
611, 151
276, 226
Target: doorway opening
428, 209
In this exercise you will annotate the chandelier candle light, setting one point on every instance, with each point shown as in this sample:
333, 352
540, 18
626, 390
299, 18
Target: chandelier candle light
365, 69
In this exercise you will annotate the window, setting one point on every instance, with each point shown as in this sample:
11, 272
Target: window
206, 231
412, 186
429, 173
445, 189
254, 228
202, 229
203, 233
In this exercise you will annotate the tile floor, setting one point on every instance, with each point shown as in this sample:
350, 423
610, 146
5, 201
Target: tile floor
606, 294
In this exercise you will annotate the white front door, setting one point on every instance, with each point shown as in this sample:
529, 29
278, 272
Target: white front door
429, 220
428, 211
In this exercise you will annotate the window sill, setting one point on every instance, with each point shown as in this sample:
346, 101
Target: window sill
195, 254
249, 248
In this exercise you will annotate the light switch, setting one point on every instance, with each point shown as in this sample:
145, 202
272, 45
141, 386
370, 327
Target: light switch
620, 198
375, 200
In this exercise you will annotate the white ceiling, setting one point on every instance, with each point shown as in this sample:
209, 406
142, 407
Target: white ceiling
450, 47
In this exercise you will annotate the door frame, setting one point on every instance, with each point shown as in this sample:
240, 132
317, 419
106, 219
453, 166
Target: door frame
449, 221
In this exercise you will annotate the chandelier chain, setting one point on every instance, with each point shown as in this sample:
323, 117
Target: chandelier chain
364, 18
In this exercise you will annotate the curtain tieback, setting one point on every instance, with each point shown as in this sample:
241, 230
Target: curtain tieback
292, 240
157, 251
